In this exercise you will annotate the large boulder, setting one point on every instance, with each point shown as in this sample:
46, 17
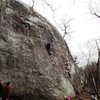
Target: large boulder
33, 55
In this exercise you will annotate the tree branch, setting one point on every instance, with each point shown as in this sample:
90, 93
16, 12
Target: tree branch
49, 6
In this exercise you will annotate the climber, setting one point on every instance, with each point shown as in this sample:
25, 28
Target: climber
6, 91
48, 48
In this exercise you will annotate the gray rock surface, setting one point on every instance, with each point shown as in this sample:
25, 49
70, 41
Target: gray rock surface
24, 59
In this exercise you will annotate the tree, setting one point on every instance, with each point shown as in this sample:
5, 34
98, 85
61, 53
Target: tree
95, 8
88, 54
45, 2
65, 26
88, 51
98, 65
92, 72
65, 22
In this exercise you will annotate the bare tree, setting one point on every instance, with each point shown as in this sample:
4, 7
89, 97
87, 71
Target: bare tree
52, 9
45, 2
65, 22
65, 26
33, 2
98, 65
88, 54
92, 69
95, 8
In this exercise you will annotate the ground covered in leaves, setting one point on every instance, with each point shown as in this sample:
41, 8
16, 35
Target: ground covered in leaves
84, 96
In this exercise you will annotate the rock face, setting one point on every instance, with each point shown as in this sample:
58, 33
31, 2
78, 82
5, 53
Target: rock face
33, 55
